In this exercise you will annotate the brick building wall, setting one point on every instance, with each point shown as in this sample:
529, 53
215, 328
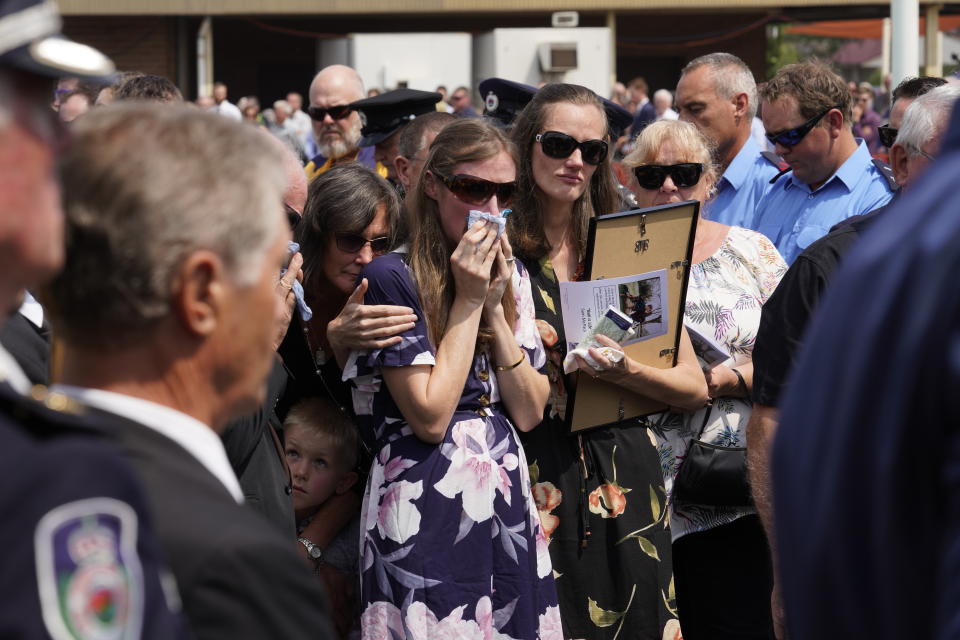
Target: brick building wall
134, 43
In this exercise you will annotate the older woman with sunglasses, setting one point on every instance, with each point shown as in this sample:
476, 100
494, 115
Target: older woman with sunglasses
350, 217
720, 558
598, 492
452, 545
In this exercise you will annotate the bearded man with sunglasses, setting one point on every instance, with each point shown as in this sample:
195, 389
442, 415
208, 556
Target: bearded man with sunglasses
336, 124
807, 114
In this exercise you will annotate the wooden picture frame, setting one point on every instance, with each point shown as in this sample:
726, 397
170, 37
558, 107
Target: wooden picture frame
622, 244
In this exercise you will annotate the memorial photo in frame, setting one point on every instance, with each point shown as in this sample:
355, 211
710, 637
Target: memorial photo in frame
653, 247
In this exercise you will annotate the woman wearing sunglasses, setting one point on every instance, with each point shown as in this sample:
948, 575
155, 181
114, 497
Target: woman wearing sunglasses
452, 545
593, 489
720, 558
349, 218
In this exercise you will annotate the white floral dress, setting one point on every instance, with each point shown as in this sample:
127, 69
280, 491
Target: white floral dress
724, 298
451, 541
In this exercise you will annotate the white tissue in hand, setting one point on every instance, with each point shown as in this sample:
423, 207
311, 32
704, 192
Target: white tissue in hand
570, 363
615, 325
473, 215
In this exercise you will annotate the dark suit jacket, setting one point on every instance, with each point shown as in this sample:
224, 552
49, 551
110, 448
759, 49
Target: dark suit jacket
29, 345
254, 452
238, 576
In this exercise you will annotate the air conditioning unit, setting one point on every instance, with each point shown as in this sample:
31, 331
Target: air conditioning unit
565, 19
558, 56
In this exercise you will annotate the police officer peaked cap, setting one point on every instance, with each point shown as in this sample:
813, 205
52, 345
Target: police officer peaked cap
618, 118
30, 40
383, 115
504, 99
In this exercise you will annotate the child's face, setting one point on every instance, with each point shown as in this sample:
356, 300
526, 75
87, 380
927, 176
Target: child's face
317, 472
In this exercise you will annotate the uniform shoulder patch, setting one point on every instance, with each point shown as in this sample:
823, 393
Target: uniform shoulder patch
887, 173
88, 571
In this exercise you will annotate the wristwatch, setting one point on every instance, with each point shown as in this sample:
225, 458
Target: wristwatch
314, 551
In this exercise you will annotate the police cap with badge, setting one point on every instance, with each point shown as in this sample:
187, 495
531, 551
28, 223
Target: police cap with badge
30, 40
504, 99
387, 113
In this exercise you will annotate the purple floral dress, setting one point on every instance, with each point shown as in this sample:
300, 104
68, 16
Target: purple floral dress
451, 541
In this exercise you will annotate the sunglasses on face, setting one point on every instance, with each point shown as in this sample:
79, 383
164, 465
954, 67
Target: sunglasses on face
888, 135
336, 113
560, 145
792, 137
477, 191
353, 243
652, 176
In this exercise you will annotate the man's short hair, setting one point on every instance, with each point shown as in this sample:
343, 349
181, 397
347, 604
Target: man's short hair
639, 84
144, 188
913, 87
815, 87
731, 76
926, 116
147, 88
321, 415
282, 105
411, 138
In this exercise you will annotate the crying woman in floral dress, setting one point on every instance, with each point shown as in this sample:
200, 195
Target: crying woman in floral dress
451, 543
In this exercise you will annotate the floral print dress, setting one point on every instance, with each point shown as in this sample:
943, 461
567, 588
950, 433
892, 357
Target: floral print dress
724, 298
602, 503
451, 543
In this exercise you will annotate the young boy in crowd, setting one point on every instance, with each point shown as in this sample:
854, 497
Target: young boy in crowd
321, 445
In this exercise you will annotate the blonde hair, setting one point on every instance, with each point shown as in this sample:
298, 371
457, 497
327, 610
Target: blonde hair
686, 139
466, 140
322, 416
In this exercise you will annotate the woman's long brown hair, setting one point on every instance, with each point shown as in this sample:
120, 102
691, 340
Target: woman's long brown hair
467, 140
526, 223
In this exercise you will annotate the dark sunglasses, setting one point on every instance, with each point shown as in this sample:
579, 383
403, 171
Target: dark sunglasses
337, 113
792, 137
684, 174
477, 191
560, 145
888, 135
353, 243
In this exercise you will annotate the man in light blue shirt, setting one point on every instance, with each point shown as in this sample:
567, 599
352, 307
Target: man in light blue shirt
807, 115
718, 94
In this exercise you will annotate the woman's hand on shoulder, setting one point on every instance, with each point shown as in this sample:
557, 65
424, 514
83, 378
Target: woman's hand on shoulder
472, 262
363, 326
284, 293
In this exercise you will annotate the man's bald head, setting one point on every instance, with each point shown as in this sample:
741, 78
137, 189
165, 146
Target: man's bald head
336, 86
336, 78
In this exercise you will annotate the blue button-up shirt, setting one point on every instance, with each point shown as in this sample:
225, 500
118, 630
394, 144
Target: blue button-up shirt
741, 186
793, 216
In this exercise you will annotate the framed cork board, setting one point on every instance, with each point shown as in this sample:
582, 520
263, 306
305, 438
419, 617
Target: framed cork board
638, 241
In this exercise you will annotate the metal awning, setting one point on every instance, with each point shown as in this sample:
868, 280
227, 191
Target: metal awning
387, 7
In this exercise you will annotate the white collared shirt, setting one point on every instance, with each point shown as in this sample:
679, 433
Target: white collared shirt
191, 434
31, 309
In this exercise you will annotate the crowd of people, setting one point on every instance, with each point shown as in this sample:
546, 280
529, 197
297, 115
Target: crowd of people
322, 394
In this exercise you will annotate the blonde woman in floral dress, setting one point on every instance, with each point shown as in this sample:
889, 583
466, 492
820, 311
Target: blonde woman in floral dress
452, 545
721, 562
600, 493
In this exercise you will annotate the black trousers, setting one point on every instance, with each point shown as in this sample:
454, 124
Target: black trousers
723, 579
